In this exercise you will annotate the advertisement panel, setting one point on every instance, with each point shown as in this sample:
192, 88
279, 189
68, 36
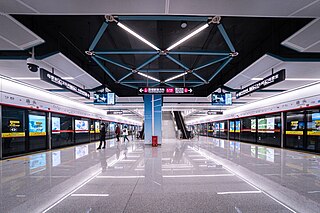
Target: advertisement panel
237, 126
97, 127
231, 129
81, 126
37, 125
13, 129
253, 125
55, 125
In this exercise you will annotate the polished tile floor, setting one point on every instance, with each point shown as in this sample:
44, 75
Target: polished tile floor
201, 175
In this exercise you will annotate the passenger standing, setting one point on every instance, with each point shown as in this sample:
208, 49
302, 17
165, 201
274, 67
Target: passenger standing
125, 134
118, 132
102, 136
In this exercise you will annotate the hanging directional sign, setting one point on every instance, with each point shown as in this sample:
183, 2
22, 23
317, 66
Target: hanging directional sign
57, 81
166, 91
268, 81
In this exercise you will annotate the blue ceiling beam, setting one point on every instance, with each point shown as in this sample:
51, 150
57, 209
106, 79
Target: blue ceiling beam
198, 85
220, 68
217, 60
126, 76
113, 62
199, 53
104, 68
98, 35
177, 62
161, 71
198, 76
187, 82
123, 52
148, 61
226, 37
163, 18
128, 85
170, 85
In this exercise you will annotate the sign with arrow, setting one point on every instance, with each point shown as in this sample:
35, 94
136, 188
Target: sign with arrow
165, 91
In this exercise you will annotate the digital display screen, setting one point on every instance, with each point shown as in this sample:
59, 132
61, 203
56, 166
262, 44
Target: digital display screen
81, 126
37, 125
55, 125
221, 99
107, 98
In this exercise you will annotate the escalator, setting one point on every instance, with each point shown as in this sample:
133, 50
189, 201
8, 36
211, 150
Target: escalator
181, 125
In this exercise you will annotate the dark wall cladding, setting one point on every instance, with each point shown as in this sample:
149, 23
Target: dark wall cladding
25, 131
301, 129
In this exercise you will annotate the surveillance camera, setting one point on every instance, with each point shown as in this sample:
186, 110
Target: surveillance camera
32, 64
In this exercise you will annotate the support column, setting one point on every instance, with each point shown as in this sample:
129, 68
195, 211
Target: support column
152, 118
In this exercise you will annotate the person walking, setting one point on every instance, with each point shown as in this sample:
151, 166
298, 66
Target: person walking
118, 132
102, 136
125, 133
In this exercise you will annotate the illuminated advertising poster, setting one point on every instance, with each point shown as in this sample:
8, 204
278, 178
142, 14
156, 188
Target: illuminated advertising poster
270, 125
262, 124
231, 126
237, 126
216, 127
81, 126
37, 125
253, 125
55, 125
221, 127
56, 158
13, 129
81, 151
270, 155
316, 121
37, 163
97, 127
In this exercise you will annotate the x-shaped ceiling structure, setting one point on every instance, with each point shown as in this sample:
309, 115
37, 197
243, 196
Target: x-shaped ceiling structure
222, 57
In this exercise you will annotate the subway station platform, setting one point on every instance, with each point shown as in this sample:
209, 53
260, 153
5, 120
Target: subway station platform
199, 175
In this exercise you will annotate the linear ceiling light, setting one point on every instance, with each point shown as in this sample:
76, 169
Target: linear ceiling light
138, 36
188, 36
175, 77
147, 76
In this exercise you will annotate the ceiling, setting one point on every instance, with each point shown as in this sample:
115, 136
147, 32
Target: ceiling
266, 34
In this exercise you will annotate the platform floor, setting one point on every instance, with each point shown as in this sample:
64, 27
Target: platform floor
200, 175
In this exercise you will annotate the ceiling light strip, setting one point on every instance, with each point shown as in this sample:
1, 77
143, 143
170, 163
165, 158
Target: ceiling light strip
188, 36
137, 36
147, 76
175, 77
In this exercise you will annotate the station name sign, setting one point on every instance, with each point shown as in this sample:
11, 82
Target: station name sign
115, 112
214, 113
268, 81
57, 81
166, 91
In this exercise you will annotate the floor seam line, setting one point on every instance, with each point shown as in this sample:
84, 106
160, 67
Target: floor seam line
131, 195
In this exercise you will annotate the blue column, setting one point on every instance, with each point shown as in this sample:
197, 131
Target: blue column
152, 118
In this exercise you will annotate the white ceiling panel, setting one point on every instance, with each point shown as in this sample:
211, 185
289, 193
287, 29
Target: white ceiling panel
16, 35
98, 6
14, 6
312, 10
306, 38
69, 69
274, 8
237, 8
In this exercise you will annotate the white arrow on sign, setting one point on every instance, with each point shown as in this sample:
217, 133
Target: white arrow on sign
140, 90
190, 90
